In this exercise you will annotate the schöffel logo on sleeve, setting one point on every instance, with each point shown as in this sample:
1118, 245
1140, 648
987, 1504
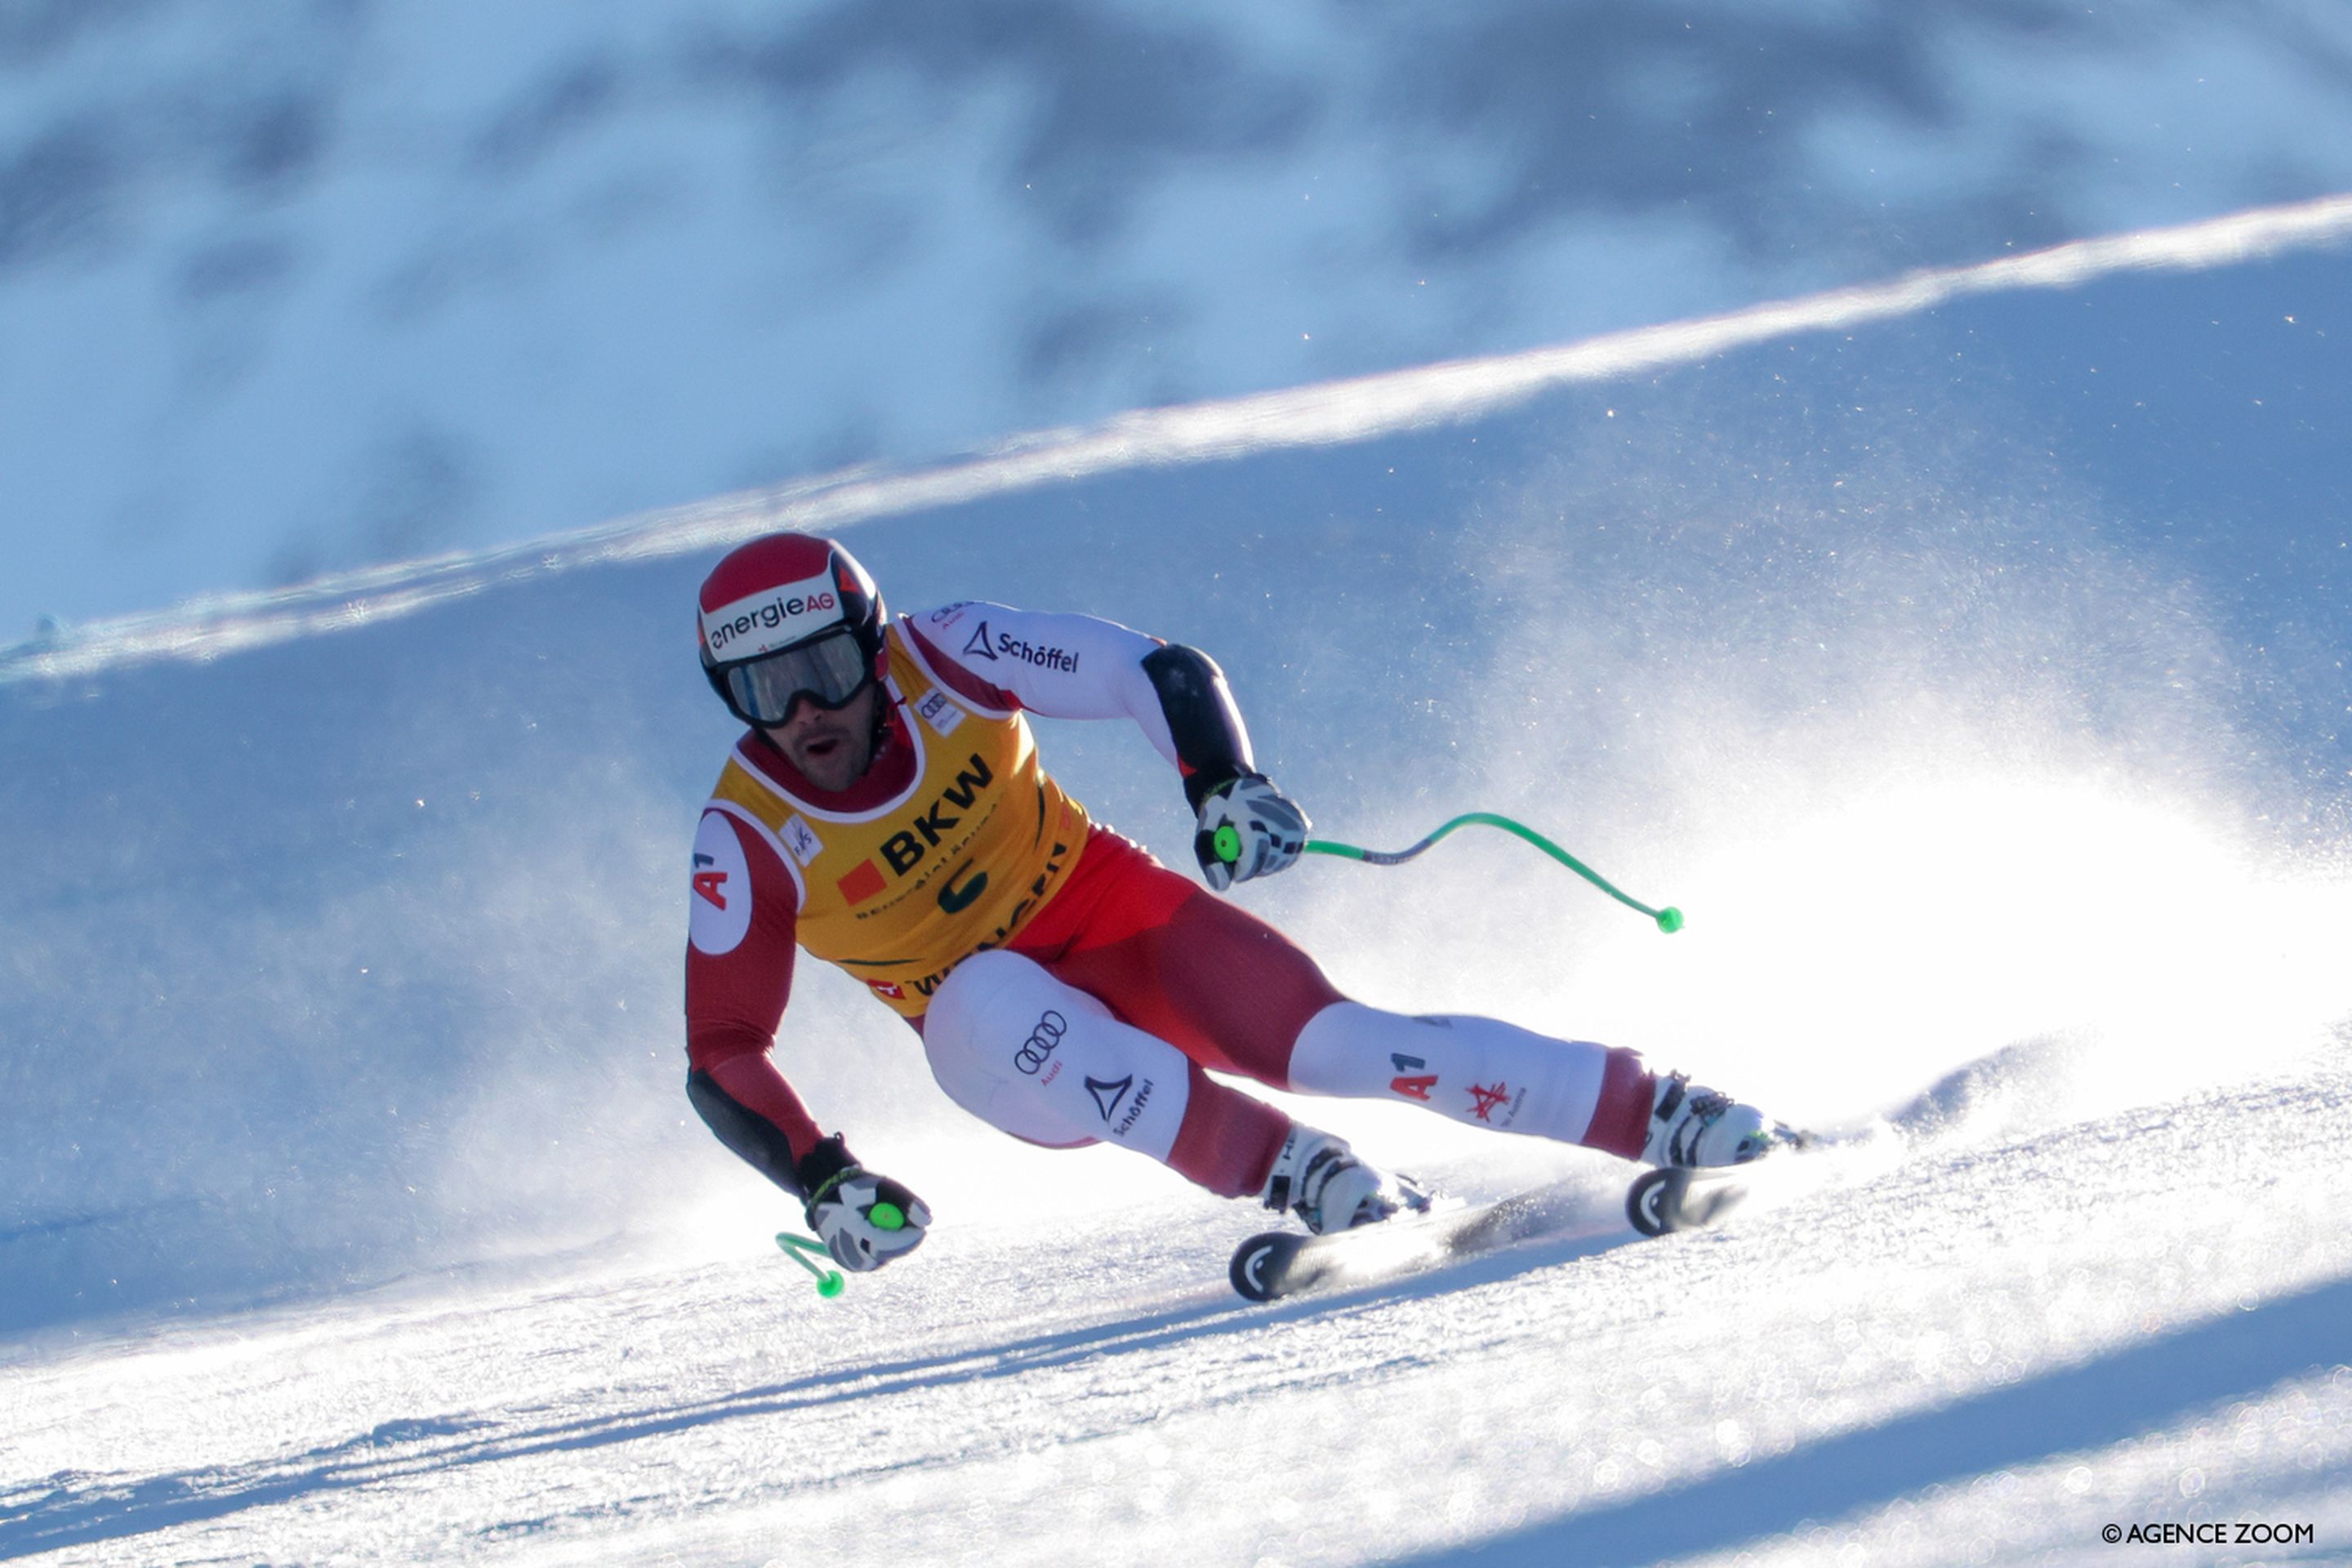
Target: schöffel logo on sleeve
1010, 646
748, 627
1004, 644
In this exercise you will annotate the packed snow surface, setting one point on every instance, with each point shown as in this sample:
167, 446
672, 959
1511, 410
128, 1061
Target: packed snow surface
2004, 1342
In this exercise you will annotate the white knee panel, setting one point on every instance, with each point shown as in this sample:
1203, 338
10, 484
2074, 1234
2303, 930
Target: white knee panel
1479, 1071
1046, 1062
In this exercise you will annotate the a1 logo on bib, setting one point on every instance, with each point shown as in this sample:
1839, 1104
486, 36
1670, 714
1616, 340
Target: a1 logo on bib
721, 899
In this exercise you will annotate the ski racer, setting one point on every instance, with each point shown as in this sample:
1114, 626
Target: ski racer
885, 811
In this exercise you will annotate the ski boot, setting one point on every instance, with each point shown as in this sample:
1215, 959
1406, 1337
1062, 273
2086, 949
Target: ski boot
1698, 1127
1319, 1178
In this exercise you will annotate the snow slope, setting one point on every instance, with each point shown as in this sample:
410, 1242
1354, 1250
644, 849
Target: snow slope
353, 1212
1963, 649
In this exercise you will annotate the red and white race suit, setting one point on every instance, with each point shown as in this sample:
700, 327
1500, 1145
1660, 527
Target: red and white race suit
1067, 987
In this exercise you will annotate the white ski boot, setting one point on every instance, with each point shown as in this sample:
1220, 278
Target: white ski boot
1319, 1178
1697, 1127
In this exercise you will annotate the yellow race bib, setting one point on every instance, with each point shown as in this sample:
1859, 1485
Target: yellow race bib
900, 893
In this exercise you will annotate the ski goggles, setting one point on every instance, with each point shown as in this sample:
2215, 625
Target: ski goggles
828, 672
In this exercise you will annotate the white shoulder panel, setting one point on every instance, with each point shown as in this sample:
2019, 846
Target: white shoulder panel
721, 899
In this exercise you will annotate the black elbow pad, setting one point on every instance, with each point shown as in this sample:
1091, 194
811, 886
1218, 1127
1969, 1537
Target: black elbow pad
1202, 717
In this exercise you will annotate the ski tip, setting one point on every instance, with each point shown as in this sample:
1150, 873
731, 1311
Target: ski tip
1651, 1202
1673, 1198
1260, 1263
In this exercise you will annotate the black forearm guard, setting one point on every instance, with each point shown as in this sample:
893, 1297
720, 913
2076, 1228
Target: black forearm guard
757, 1141
1202, 717
761, 1144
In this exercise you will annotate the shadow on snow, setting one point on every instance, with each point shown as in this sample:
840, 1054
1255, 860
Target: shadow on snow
2093, 1405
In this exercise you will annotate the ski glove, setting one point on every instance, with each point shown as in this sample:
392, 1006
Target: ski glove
864, 1220
1247, 828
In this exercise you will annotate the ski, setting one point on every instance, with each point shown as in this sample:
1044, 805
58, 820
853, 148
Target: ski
1671, 1198
1658, 1201
1280, 1263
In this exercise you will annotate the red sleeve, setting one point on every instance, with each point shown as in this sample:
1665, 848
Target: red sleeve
739, 973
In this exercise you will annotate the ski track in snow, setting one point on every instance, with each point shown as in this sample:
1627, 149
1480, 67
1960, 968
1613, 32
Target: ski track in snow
1348, 411
1989, 1350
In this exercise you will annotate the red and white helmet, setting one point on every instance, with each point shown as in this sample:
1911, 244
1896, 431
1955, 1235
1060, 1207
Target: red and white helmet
786, 618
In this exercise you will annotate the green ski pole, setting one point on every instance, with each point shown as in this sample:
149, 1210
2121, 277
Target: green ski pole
1228, 845
797, 1249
